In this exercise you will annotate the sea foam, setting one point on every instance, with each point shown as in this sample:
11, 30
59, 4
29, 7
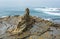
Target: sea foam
50, 11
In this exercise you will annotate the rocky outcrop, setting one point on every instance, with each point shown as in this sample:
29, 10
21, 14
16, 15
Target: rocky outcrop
27, 27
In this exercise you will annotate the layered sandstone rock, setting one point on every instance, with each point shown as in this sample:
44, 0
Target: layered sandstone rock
27, 27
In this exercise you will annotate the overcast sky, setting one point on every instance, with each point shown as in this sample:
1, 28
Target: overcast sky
29, 3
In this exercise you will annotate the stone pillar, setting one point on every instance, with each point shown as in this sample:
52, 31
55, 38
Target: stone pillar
27, 16
27, 11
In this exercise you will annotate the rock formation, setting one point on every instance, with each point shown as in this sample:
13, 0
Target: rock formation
27, 27
27, 16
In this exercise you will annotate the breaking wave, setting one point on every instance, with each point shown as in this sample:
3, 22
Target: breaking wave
50, 11
58, 14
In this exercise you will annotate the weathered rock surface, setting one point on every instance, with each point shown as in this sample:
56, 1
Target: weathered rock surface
28, 27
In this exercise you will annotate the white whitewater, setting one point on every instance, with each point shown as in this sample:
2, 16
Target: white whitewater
51, 11
58, 14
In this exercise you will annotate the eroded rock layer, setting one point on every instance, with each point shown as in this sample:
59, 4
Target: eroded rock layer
28, 27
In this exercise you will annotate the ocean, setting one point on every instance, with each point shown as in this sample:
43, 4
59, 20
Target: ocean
45, 13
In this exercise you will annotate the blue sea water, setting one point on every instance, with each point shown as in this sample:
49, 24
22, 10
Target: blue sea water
41, 14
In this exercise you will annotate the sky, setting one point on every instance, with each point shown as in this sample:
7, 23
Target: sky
29, 3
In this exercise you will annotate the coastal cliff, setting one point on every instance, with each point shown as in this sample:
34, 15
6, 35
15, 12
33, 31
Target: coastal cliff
27, 27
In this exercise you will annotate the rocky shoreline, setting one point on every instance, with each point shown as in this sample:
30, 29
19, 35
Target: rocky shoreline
28, 27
